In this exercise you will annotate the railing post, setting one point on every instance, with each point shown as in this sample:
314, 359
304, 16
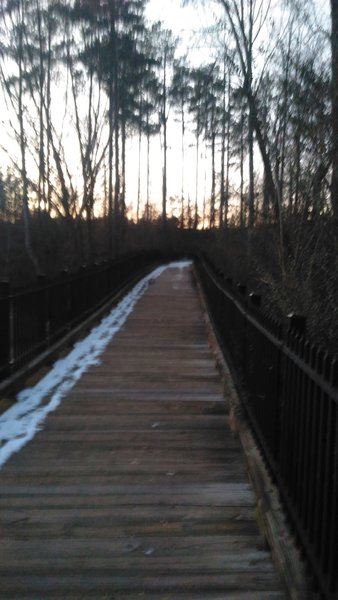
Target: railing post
255, 299
84, 270
5, 329
67, 299
242, 328
110, 276
297, 323
44, 310
241, 289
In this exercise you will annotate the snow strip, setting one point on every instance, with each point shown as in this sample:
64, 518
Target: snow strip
19, 424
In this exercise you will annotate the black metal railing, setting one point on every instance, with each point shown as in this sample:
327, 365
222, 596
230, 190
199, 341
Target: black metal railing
34, 318
291, 398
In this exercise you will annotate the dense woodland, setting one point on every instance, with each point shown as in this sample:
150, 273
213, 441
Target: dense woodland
81, 78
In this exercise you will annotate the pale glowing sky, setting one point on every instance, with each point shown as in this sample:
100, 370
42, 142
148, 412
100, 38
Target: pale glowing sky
183, 21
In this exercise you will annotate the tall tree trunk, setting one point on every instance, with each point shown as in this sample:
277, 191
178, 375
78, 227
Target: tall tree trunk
273, 192
242, 200
251, 199
110, 170
23, 147
222, 188
48, 114
148, 171
105, 191
285, 113
139, 171
116, 129
204, 216
182, 159
123, 157
111, 219
117, 172
298, 172
42, 173
290, 184
164, 182
244, 44
227, 171
197, 174
213, 181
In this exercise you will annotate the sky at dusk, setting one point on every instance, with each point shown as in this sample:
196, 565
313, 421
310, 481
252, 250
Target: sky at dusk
187, 24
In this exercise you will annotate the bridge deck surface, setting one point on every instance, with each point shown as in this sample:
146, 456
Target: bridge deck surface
135, 487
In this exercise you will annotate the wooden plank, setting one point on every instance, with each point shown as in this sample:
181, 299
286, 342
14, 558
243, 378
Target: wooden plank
145, 422
116, 584
136, 486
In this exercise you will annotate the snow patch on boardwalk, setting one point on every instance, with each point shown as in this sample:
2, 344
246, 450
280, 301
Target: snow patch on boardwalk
19, 424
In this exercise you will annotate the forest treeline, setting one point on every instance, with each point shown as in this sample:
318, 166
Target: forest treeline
79, 78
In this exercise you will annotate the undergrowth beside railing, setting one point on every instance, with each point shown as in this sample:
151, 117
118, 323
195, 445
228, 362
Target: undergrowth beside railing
291, 398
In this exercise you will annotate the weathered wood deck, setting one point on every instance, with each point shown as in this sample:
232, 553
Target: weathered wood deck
135, 487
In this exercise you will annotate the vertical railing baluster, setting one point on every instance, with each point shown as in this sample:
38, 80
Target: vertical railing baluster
5, 338
12, 332
42, 311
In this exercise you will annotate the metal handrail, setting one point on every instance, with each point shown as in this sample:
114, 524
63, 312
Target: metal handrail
291, 399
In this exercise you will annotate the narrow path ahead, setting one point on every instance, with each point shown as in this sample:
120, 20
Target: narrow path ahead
135, 487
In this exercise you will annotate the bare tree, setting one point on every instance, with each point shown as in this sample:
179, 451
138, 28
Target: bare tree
89, 109
14, 19
180, 92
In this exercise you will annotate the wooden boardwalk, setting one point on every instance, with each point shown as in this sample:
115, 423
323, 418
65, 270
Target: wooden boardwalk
135, 487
